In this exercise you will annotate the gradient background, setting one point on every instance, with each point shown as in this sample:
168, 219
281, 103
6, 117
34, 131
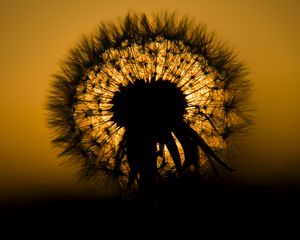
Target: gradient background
36, 35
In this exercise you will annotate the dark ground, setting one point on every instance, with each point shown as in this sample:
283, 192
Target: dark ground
234, 212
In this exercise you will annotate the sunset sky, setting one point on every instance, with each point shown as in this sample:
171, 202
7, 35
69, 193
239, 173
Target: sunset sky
36, 36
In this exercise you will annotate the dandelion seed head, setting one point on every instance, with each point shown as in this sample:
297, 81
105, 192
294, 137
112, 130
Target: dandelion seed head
146, 77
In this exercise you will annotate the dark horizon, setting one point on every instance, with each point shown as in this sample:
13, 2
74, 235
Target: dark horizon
253, 209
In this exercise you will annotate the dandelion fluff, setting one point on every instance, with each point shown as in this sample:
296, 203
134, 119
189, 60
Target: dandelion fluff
148, 97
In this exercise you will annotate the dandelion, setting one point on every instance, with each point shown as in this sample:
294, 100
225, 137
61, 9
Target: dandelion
149, 97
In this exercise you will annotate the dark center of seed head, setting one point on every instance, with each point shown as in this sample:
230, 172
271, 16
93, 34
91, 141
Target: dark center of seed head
154, 107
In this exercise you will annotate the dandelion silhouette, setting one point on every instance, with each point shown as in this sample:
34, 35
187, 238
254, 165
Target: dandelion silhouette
149, 97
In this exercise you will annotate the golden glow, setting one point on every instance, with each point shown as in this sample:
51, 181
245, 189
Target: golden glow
35, 36
162, 59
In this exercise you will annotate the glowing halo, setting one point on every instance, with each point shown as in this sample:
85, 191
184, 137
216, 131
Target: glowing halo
164, 78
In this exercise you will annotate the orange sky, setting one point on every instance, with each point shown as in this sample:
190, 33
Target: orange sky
35, 36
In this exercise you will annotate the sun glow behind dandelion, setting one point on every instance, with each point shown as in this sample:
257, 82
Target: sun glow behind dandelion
177, 92
160, 59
